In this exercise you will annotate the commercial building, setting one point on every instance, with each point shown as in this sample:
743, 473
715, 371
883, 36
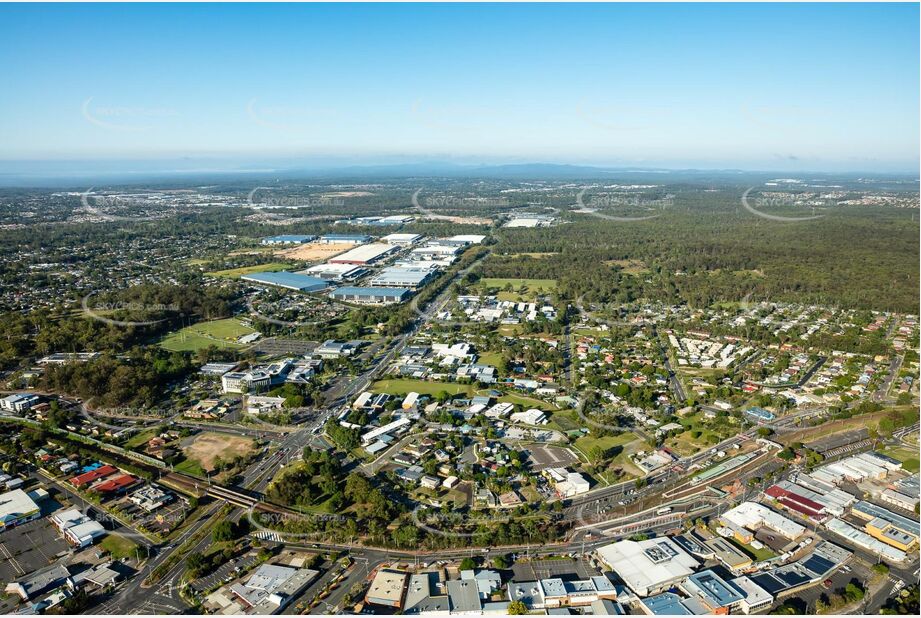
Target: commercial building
287, 239
217, 369
796, 498
371, 296
649, 566
268, 590
804, 572
755, 597
670, 604
18, 403
862, 539
729, 554
39, 582
394, 426
561, 593
336, 349
365, 254
868, 510
751, 516
150, 498
388, 588
91, 476
77, 529
335, 272
898, 499
713, 591
425, 595
289, 281
17, 507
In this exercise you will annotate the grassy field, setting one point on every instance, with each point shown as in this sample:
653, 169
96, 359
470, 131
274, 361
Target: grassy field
528, 402
907, 456
191, 467
423, 387
236, 273
118, 546
140, 438
220, 333
522, 289
586, 443
490, 358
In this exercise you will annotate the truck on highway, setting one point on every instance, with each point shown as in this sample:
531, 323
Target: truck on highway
664, 510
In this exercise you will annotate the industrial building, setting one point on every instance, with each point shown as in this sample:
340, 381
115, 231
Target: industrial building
290, 281
365, 254
861, 538
402, 239
395, 277
371, 296
335, 272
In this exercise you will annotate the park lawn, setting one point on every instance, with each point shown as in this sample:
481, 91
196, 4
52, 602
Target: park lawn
400, 386
236, 273
220, 333
907, 456
118, 546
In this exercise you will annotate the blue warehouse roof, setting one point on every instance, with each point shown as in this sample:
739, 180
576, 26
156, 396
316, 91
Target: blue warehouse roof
292, 281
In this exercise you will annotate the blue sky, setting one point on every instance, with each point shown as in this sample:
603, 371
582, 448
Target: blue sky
817, 87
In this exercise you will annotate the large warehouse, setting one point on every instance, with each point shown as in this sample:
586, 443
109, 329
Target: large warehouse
371, 296
365, 254
335, 272
401, 278
290, 281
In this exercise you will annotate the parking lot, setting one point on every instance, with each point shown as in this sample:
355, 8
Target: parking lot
225, 571
565, 568
542, 456
29, 547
